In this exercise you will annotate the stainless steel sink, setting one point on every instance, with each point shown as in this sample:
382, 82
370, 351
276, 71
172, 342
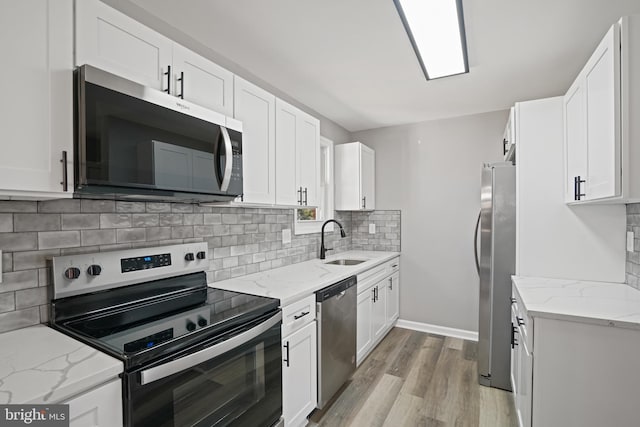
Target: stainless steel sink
345, 262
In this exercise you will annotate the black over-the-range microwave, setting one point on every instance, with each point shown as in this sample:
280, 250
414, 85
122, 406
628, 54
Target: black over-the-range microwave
138, 143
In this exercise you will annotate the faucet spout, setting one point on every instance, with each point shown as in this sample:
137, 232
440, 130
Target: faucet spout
323, 250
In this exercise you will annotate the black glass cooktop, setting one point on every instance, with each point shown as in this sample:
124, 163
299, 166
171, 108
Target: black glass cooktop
150, 320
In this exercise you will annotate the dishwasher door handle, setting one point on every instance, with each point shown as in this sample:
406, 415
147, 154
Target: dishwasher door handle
341, 294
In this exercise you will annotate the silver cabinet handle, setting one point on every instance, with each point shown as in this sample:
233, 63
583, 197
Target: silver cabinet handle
305, 196
228, 164
520, 321
373, 294
390, 283
364, 202
300, 196
157, 373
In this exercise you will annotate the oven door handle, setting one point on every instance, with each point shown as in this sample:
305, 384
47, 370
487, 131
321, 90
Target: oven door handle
158, 372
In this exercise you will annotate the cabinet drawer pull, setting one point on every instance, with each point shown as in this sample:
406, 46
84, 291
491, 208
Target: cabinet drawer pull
364, 202
520, 321
394, 265
286, 360
65, 176
390, 283
301, 315
181, 80
300, 196
168, 74
373, 294
305, 196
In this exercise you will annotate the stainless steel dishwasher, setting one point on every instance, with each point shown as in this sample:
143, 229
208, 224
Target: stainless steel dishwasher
336, 319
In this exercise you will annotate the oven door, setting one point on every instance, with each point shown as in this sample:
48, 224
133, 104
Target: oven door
139, 141
234, 380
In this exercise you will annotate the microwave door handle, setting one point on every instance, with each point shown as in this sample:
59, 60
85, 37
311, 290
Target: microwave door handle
228, 164
159, 372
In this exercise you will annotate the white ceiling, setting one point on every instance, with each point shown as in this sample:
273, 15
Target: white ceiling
351, 61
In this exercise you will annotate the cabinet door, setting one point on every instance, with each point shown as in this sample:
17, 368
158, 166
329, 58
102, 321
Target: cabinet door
525, 379
368, 177
256, 108
100, 407
575, 139
602, 93
201, 81
308, 157
36, 38
110, 40
393, 298
364, 333
299, 375
379, 311
286, 133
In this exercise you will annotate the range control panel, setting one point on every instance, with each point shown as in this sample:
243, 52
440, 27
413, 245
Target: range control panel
85, 273
145, 262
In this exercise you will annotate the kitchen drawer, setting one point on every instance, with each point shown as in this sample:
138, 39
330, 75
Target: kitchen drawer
298, 314
525, 322
368, 278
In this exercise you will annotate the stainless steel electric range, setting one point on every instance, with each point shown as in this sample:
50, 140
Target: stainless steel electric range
193, 355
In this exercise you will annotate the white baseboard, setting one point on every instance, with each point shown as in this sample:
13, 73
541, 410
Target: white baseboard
438, 330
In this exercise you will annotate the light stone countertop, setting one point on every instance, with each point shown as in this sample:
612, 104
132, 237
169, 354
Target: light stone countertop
610, 304
41, 365
294, 282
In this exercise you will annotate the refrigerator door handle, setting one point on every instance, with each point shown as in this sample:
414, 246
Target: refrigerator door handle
475, 243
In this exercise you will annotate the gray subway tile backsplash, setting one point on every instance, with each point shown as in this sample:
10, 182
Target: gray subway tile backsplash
241, 241
633, 258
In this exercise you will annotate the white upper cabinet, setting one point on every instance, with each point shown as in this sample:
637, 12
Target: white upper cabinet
355, 177
601, 136
575, 141
114, 42
256, 108
297, 156
308, 158
36, 39
201, 81
110, 40
287, 192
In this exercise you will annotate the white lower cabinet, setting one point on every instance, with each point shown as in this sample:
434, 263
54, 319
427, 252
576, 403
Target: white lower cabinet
378, 306
574, 372
100, 407
300, 362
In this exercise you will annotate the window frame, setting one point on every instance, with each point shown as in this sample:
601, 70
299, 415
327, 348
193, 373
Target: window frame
309, 227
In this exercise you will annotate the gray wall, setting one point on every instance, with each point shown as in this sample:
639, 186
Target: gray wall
328, 128
431, 172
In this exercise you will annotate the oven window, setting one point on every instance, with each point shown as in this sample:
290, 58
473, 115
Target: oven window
239, 388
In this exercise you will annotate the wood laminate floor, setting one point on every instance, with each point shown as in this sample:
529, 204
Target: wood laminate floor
418, 379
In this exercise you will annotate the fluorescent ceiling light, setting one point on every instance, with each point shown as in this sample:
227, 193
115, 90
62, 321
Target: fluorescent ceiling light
436, 31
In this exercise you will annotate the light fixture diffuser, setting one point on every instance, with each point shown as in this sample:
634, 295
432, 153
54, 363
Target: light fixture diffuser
436, 31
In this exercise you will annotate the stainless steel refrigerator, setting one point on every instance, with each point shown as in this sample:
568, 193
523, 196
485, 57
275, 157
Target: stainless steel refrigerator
496, 264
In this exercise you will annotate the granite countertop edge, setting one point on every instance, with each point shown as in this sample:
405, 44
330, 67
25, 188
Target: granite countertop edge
294, 282
39, 365
602, 303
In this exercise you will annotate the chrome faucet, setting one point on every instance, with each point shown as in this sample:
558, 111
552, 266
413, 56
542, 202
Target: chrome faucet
323, 250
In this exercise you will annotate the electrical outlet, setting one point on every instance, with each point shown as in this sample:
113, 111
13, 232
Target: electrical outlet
630, 238
372, 229
286, 236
